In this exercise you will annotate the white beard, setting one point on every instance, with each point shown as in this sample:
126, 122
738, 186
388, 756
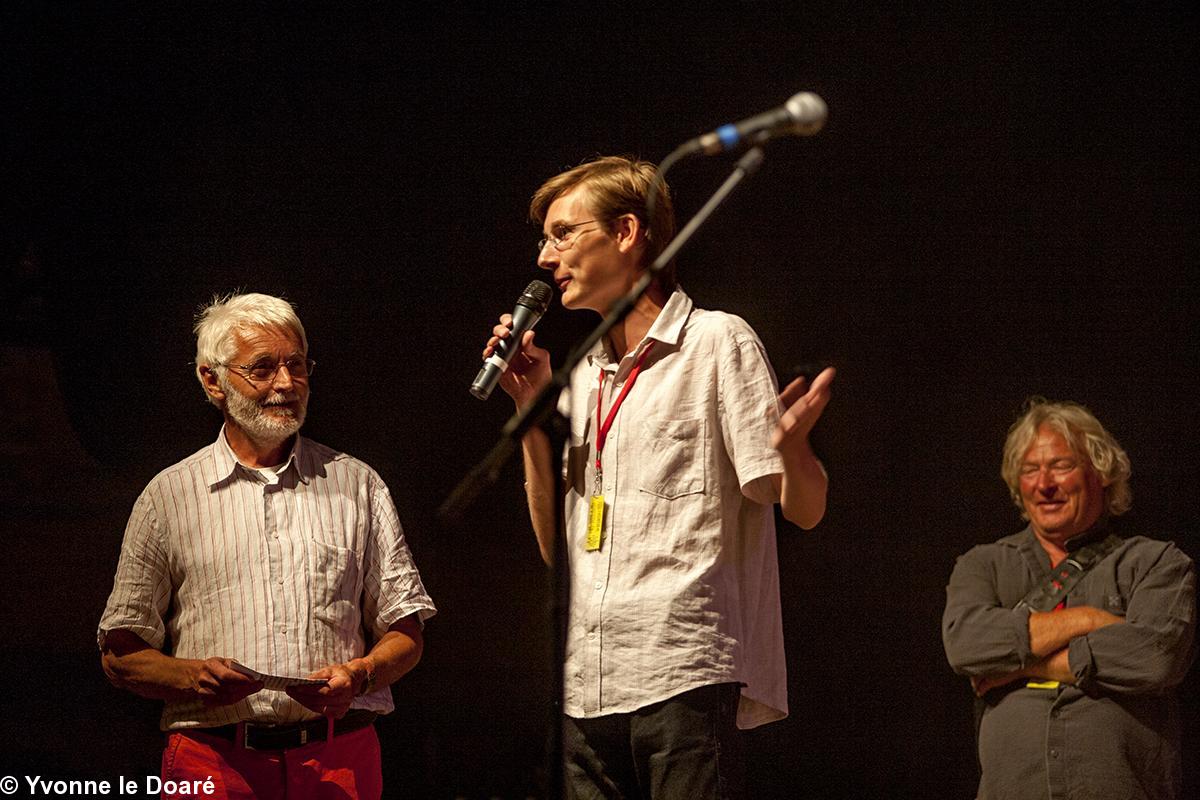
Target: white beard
259, 425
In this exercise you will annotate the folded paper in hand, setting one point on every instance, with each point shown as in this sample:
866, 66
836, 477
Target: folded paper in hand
276, 682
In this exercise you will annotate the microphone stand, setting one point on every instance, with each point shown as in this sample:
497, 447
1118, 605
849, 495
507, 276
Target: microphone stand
543, 411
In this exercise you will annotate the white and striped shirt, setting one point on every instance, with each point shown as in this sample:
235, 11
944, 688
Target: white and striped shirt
286, 576
684, 590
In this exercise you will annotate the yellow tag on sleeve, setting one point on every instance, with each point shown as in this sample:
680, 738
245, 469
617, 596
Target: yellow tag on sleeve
1042, 685
595, 522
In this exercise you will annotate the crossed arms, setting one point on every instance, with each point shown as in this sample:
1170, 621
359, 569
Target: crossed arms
1050, 633
1146, 649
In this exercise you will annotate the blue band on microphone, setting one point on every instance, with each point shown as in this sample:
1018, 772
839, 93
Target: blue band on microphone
728, 135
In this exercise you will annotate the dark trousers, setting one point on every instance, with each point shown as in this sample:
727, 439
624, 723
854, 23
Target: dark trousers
684, 748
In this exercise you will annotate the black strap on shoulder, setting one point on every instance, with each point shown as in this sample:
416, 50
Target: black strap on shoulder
1063, 578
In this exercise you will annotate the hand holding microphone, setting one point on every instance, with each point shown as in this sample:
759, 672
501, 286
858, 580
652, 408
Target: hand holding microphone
511, 358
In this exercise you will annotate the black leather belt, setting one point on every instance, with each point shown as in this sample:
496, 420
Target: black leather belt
285, 737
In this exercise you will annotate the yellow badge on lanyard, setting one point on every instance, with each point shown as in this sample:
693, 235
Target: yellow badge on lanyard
595, 527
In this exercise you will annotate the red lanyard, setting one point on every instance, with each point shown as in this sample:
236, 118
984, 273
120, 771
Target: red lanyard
602, 427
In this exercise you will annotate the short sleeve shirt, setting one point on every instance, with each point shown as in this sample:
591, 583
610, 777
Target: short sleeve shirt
684, 590
286, 576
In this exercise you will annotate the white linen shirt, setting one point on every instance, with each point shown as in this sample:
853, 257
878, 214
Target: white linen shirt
285, 576
684, 590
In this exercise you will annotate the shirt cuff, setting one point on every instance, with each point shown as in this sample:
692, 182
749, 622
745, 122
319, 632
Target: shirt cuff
1019, 617
1081, 662
151, 636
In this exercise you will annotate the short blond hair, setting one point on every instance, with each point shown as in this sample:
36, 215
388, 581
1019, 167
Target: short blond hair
1087, 438
617, 185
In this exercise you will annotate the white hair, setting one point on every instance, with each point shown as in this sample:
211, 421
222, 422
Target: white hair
218, 323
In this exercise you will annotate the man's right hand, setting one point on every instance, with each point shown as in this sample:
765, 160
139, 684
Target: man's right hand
528, 371
219, 684
131, 663
527, 375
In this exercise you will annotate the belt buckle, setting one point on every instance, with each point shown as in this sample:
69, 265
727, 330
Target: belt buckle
246, 730
304, 734
242, 737
239, 736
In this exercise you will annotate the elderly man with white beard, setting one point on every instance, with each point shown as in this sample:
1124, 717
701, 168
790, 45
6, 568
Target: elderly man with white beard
260, 560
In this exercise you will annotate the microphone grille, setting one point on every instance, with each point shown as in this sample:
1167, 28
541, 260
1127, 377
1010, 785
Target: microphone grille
539, 293
808, 112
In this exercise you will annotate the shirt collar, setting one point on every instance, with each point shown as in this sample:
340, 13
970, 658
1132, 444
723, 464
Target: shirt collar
1093, 534
666, 329
1031, 548
226, 464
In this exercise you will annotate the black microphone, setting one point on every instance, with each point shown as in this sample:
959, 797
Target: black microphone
802, 115
532, 303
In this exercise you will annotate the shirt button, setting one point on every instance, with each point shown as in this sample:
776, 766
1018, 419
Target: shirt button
591, 636
1053, 753
599, 585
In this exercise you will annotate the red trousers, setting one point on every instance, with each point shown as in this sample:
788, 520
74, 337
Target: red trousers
347, 766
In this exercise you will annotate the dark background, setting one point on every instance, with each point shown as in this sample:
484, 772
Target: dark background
1003, 203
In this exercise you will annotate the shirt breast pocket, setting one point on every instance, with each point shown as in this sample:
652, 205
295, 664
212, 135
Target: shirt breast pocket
334, 575
672, 457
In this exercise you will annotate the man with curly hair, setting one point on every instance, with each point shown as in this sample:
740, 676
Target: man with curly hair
1073, 636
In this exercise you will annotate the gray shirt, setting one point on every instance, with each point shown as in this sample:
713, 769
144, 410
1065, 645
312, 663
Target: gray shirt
1115, 733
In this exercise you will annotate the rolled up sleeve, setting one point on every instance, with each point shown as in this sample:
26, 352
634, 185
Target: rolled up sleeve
141, 592
980, 635
1153, 649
